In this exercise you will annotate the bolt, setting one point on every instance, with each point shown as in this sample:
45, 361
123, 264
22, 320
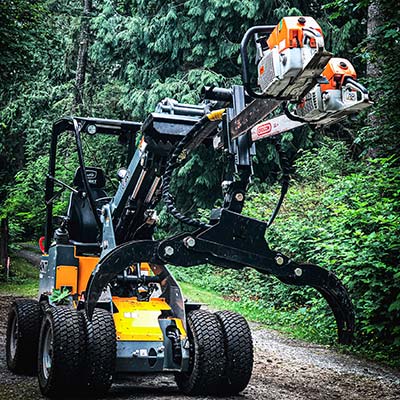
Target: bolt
160, 349
135, 353
298, 272
279, 260
189, 241
239, 197
169, 251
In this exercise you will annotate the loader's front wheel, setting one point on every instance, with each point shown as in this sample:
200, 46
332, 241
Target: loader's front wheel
101, 350
23, 336
61, 352
207, 358
239, 352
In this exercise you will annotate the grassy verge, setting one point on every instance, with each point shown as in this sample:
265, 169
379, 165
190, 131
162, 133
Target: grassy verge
24, 280
270, 317
293, 324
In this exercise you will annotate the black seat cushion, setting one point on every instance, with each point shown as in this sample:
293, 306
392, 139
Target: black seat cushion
82, 225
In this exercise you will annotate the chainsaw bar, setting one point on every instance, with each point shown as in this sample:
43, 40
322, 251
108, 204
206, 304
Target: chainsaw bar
250, 116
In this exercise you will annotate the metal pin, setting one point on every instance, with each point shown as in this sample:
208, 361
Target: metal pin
169, 251
279, 260
189, 242
298, 272
239, 197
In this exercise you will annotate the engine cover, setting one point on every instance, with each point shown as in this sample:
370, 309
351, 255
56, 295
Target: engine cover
294, 60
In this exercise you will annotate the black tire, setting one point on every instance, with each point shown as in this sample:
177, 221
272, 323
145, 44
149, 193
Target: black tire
61, 353
23, 336
238, 351
207, 359
101, 349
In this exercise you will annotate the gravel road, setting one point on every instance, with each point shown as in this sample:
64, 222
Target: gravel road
284, 369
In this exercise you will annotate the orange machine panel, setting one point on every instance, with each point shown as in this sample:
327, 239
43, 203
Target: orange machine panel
289, 32
67, 275
336, 70
86, 266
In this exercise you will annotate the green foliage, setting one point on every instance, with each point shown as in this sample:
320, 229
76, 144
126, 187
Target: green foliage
346, 223
23, 279
60, 297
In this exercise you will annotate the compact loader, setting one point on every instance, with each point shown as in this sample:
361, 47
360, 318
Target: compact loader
108, 305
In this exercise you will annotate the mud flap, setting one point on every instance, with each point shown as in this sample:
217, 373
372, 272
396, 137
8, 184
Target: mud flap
333, 291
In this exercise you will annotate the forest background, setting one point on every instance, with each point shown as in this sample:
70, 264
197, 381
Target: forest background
119, 58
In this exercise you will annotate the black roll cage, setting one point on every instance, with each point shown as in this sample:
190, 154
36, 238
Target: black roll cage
125, 130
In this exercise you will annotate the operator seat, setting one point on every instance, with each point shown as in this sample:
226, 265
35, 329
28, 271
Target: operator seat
82, 225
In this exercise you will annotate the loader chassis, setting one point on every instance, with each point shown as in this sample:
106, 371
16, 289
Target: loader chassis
108, 304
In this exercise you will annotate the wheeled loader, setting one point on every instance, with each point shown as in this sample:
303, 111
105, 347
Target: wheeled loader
108, 305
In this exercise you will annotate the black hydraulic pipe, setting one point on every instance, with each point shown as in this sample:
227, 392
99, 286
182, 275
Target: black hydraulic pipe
50, 189
220, 94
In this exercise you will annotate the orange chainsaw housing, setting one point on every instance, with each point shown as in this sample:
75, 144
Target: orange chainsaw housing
289, 33
335, 72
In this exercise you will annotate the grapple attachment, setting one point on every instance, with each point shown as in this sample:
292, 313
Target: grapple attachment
234, 242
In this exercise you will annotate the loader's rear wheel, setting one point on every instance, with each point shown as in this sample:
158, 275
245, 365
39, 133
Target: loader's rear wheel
61, 352
238, 350
207, 359
101, 351
23, 336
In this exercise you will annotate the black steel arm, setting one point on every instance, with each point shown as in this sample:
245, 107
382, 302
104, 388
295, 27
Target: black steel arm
234, 242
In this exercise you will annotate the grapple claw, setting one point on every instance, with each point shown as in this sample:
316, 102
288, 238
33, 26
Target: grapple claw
333, 292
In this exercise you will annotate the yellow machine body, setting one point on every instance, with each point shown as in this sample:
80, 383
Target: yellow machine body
139, 320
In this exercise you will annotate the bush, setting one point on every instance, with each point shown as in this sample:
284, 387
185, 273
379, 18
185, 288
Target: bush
347, 224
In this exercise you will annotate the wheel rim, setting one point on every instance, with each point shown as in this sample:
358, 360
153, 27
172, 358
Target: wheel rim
14, 336
47, 354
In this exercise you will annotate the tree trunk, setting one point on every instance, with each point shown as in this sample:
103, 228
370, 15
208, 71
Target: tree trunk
374, 70
4, 258
374, 21
84, 39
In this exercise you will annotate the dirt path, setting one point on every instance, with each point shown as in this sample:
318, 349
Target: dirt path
284, 369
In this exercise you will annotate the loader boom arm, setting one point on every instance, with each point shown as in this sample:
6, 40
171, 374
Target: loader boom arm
310, 87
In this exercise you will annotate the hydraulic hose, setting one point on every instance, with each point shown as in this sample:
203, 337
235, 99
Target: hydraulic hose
285, 166
172, 164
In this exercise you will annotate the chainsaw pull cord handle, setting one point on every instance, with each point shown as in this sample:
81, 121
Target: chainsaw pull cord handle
292, 116
172, 164
89, 193
285, 167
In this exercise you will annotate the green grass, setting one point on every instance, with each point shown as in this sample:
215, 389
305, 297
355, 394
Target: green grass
24, 279
270, 317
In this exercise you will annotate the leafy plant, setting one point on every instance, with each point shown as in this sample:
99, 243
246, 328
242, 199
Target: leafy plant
60, 297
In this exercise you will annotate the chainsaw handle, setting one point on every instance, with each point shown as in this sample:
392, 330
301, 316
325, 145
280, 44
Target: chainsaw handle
355, 84
245, 58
